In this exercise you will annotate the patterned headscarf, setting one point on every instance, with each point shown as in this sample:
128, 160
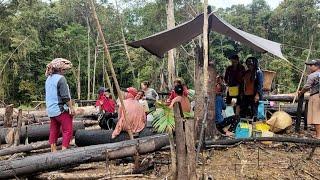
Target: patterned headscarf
57, 65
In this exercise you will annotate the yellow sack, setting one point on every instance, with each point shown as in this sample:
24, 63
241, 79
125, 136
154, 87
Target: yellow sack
233, 91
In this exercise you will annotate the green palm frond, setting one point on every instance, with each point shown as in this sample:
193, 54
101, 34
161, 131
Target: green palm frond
191, 94
163, 118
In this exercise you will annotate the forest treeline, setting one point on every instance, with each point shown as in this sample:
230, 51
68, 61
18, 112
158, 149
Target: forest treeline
33, 32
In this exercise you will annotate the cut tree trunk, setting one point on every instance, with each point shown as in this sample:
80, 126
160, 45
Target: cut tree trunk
35, 132
199, 96
18, 129
61, 159
98, 136
185, 145
211, 130
180, 140
282, 97
27, 148
8, 116
85, 111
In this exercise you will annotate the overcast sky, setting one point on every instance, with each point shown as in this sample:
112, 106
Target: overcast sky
228, 3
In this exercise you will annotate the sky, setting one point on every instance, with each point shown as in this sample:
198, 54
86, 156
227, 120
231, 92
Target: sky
228, 3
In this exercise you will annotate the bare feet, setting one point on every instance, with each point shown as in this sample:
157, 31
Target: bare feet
53, 148
228, 133
64, 148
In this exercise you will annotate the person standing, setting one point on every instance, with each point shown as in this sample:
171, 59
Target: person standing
58, 102
313, 86
233, 79
252, 88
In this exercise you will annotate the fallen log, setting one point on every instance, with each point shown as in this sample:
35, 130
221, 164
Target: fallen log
27, 148
98, 136
36, 132
86, 111
310, 141
53, 161
282, 97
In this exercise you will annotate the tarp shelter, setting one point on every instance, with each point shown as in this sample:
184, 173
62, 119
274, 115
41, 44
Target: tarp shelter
160, 43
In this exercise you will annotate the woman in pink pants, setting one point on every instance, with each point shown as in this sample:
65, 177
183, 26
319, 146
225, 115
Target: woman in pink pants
58, 102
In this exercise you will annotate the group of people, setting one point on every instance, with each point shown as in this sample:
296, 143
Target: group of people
131, 113
244, 86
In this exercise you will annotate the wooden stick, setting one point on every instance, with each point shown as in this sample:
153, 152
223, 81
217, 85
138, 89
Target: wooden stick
304, 69
124, 42
106, 50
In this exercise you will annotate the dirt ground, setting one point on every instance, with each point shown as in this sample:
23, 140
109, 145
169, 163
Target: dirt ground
245, 161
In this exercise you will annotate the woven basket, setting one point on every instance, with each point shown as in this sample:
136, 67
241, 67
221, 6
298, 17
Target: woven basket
268, 77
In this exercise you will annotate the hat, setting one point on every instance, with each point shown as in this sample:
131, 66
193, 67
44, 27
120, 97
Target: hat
132, 91
314, 62
103, 89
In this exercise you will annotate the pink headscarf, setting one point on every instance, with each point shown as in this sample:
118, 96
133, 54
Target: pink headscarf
58, 64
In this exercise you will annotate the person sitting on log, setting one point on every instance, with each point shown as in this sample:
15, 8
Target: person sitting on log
252, 91
223, 123
140, 98
173, 94
184, 100
107, 116
58, 102
150, 94
135, 119
105, 103
313, 85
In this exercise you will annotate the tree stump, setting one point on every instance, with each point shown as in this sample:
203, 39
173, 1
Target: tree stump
18, 129
185, 145
8, 116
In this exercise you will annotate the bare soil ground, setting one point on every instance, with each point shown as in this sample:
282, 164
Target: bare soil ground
245, 161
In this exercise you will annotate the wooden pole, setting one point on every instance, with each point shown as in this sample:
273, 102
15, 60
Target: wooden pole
124, 42
88, 64
304, 69
114, 76
96, 51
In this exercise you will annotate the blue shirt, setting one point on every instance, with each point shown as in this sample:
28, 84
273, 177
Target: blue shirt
57, 94
220, 105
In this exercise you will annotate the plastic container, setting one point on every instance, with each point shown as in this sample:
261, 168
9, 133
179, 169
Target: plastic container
243, 130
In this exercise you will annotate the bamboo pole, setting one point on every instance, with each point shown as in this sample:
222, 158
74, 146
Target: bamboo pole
88, 66
96, 51
304, 70
124, 42
114, 76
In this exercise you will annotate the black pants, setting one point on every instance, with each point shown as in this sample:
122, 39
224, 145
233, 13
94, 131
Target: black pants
232, 121
248, 107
